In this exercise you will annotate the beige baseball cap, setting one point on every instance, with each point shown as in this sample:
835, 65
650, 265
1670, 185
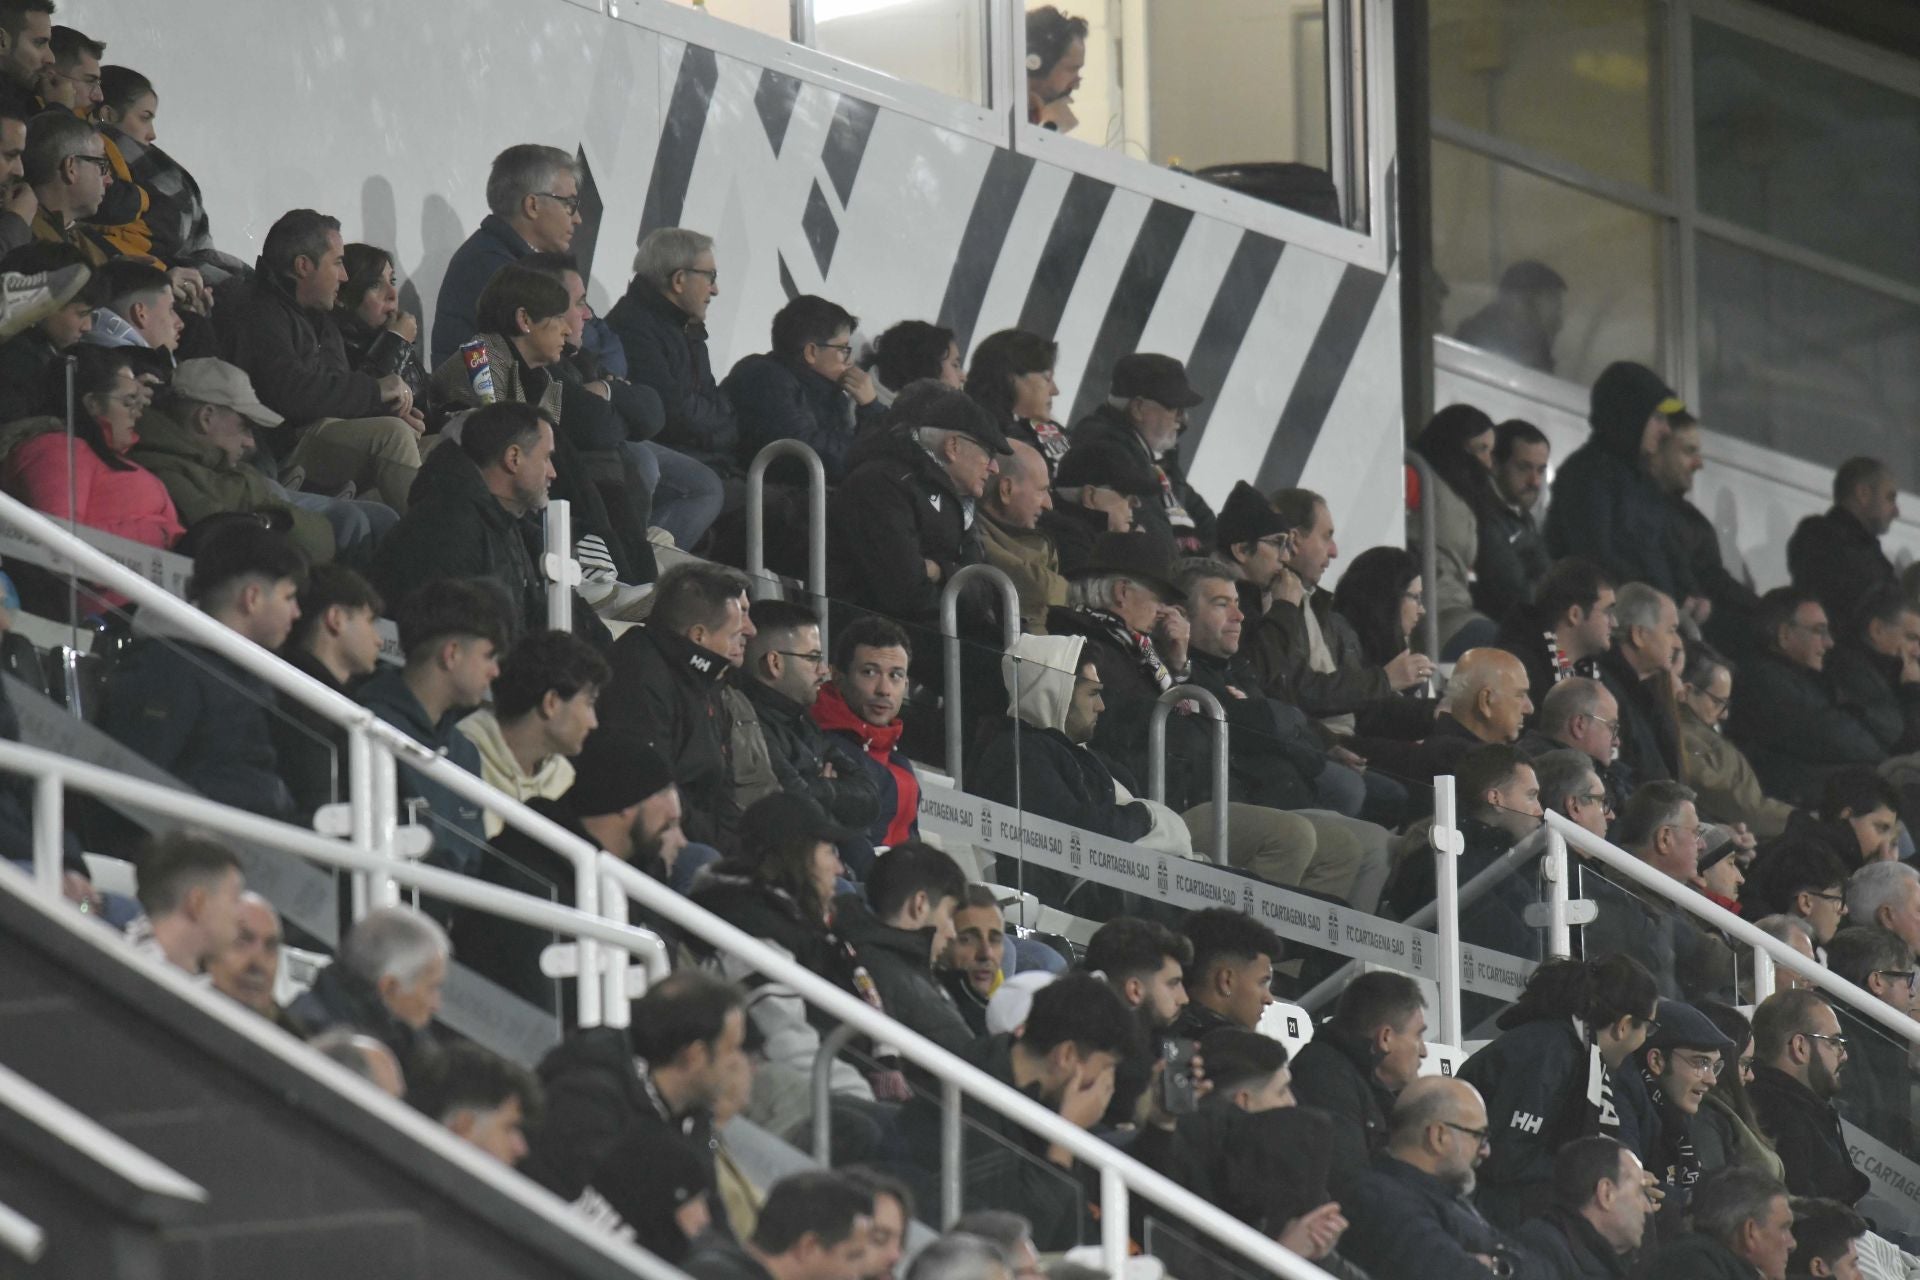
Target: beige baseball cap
212, 381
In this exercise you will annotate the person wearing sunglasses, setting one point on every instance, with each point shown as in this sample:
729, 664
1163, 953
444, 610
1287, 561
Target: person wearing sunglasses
1801, 1058
807, 388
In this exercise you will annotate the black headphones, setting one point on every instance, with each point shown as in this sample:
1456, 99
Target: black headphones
1050, 33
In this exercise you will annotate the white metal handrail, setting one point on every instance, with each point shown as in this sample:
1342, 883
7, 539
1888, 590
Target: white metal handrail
950, 651
54, 773
370, 739
757, 574
1120, 1173
1698, 904
1222, 767
1429, 550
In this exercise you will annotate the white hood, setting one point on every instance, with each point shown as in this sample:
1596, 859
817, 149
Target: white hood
1046, 667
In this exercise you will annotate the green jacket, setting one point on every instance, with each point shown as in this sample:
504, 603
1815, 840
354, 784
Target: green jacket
202, 483
1728, 789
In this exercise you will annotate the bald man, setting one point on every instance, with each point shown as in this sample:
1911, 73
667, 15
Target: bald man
1012, 505
1486, 702
1411, 1211
248, 970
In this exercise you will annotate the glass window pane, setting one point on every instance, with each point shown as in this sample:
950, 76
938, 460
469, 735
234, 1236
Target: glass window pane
768, 17
1578, 79
936, 43
1801, 362
1234, 91
1807, 152
1491, 220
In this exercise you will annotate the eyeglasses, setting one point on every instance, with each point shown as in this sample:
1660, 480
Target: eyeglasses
1415, 596
100, 162
1827, 897
570, 203
1613, 726
1909, 976
815, 658
711, 273
1481, 1136
1589, 797
1838, 1042
1278, 541
1709, 1067
844, 348
1714, 698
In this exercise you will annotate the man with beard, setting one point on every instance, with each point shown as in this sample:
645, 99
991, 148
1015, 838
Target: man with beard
1410, 1213
1837, 557
1678, 1065
623, 799
1724, 602
1564, 629
1512, 554
1146, 963
1799, 1057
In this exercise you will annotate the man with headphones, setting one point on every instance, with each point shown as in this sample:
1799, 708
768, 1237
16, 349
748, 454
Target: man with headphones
1056, 52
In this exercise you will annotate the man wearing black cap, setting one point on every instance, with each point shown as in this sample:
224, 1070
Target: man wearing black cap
623, 799
1678, 1065
1606, 505
1100, 488
1837, 556
903, 522
1146, 411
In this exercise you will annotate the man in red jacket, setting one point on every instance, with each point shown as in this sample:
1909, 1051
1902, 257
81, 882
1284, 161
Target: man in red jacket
862, 708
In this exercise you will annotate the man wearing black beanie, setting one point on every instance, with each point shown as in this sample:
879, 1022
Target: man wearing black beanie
623, 800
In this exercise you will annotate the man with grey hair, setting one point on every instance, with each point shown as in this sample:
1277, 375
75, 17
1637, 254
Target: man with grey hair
1570, 785
1796, 933
901, 525
1584, 715
66, 165
1145, 413
1660, 827
1742, 1227
1887, 894
365, 1057
662, 326
385, 982
1646, 651
533, 203
1874, 1088
1010, 535
961, 1256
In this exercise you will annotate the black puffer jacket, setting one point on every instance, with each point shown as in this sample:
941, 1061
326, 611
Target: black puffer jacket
294, 357
900, 962
1794, 729
1335, 1074
1607, 508
341, 998
896, 510
669, 688
667, 350
800, 750
777, 398
1274, 749
1511, 557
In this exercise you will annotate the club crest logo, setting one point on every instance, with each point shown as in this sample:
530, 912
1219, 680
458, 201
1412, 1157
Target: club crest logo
1073, 850
1333, 927
1163, 877
1246, 897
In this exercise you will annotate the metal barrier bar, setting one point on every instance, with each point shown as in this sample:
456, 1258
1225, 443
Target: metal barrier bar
1429, 551
1555, 873
360, 808
1741, 931
1114, 1223
763, 582
951, 1115
1448, 844
1157, 756
559, 547
1764, 978
1470, 892
830, 1046
950, 645
186, 807
20, 1235
49, 831
386, 742
959, 1078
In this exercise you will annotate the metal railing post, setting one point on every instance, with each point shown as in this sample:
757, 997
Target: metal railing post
559, 553
616, 1010
1448, 844
951, 1206
830, 1046
384, 891
1429, 552
49, 832
1157, 756
950, 645
763, 583
1764, 977
360, 809
1554, 872
1114, 1223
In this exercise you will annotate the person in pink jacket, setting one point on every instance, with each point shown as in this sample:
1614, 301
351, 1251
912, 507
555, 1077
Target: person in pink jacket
108, 492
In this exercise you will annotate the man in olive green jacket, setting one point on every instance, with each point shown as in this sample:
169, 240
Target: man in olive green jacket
1728, 789
197, 439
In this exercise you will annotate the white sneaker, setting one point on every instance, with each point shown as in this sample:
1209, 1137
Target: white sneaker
26, 299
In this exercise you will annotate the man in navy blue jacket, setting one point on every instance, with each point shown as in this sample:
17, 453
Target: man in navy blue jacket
807, 388
533, 198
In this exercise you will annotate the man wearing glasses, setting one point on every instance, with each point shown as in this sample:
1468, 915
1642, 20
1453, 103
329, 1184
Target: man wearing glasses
807, 388
785, 670
1729, 789
67, 167
1785, 714
1411, 1214
533, 203
1800, 1059
1583, 714
1874, 1087
1678, 1065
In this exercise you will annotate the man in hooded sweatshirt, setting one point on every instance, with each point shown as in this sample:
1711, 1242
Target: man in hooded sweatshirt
1607, 505
541, 715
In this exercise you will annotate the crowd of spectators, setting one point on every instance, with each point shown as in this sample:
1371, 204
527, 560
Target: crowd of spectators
329, 462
